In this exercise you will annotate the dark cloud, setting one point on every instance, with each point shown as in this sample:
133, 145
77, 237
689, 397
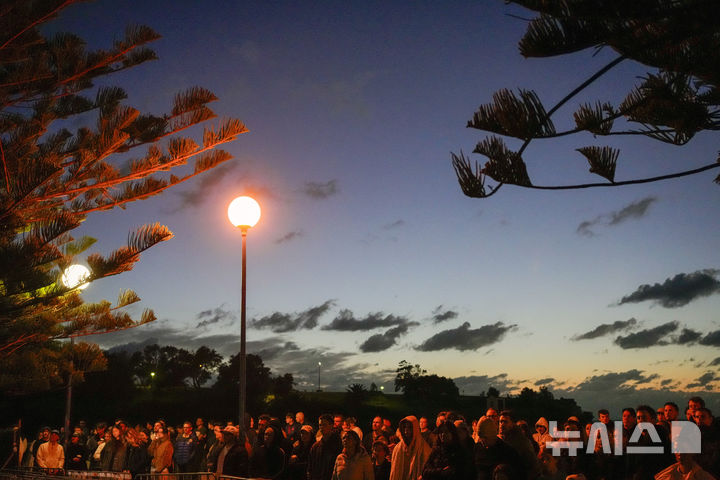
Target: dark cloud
712, 339
680, 290
687, 336
319, 190
666, 382
290, 236
614, 381
393, 225
544, 381
477, 384
715, 363
285, 322
346, 322
633, 211
440, 315
383, 341
211, 317
606, 328
649, 337
464, 338
704, 380
203, 184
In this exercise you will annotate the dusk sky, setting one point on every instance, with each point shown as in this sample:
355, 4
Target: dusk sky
368, 253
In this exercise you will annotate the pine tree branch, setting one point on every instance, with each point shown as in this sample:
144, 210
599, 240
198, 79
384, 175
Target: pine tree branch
37, 22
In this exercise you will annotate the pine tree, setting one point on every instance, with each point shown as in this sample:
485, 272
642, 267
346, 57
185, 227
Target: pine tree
678, 98
53, 176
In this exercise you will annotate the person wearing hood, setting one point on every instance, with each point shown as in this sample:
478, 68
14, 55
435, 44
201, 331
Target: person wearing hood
542, 434
411, 453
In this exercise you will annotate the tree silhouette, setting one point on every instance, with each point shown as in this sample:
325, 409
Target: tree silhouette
65, 152
679, 98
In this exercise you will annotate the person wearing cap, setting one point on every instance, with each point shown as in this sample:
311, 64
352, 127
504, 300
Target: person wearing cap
297, 463
233, 458
76, 453
51, 455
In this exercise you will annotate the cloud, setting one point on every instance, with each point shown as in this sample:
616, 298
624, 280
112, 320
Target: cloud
712, 339
704, 380
633, 211
605, 329
394, 225
680, 290
289, 236
477, 384
383, 341
285, 322
715, 363
464, 338
211, 317
346, 321
614, 381
687, 336
321, 191
544, 381
648, 338
438, 315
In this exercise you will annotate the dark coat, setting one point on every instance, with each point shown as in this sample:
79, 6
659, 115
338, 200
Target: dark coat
323, 453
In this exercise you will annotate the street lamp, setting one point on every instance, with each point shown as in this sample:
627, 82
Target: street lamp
319, 389
75, 276
244, 213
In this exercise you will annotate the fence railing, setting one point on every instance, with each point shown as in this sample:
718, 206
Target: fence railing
42, 474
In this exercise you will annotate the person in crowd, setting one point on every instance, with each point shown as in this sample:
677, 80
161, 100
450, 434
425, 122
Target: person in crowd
425, 431
137, 459
374, 435
268, 460
76, 455
233, 457
686, 468
119, 449
350, 423
381, 460
324, 451
298, 461
300, 419
493, 456
353, 463
200, 425
214, 449
338, 420
292, 428
695, 403
709, 458
162, 453
448, 459
43, 437
411, 453
51, 455
541, 436
185, 450
511, 434
572, 462
672, 412
493, 414
525, 429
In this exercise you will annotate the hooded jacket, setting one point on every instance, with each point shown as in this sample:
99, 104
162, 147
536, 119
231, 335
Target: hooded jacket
408, 461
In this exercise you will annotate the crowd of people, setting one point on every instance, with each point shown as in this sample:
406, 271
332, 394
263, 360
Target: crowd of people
496, 446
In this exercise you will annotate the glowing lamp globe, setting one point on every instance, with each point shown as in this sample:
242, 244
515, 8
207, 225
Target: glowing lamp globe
75, 276
244, 212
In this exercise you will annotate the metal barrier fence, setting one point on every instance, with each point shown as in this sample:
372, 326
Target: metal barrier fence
39, 474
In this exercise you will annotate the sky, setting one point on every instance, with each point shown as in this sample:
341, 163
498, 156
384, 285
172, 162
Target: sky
367, 252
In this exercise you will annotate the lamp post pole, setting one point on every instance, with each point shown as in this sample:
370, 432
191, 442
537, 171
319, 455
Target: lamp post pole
243, 363
244, 213
319, 389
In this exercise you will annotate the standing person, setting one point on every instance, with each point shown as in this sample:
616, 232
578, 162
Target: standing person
298, 461
448, 459
353, 463
137, 458
381, 460
51, 455
321, 461
76, 456
268, 461
185, 450
119, 448
162, 452
292, 428
215, 448
374, 434
233, 457
411, 452
493, 455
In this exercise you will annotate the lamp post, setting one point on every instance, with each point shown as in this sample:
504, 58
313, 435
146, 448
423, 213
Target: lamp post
319, 389
244, 213
73, 277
